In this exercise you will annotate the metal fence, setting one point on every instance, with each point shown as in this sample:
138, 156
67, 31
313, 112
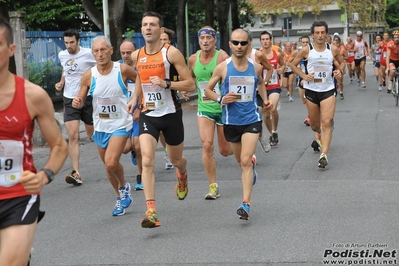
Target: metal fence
44, 66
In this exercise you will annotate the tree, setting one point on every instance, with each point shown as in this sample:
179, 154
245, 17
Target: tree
116, 21
180, 26
392, 12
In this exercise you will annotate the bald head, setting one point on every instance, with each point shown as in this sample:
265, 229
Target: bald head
127, 48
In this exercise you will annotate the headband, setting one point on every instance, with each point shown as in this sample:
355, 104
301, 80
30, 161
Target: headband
207, 31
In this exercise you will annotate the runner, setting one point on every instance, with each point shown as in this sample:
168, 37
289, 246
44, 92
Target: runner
202, 64
350, 62
132, 146
289, 76
273, 88
106, 84
75, 61
392, 58
161, 110
22, 103
361, 51
240, 76
259, 58
383, 62
340, 79
319, 85
375, 54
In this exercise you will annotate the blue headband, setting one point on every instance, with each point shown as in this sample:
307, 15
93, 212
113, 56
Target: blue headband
207, 31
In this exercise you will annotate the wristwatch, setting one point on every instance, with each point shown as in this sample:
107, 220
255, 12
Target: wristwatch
49, 173
266, 83
168, 83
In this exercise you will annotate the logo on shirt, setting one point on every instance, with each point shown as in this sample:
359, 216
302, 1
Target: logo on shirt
156, 58
143, 60
10, 122
145, 127
71, 66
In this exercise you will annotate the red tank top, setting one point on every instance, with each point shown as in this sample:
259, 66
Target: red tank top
16, 130
274, 82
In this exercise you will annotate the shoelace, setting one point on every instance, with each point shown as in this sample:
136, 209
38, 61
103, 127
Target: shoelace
118, 205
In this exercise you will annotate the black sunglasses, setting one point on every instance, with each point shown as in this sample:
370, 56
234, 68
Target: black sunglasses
243, 43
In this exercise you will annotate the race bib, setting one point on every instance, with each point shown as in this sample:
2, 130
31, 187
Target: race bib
351, 54
154, 96
322, 73
202, 86
274, 79
377, 57
130, 88
109, 108
243, 87
385, 54
11, 157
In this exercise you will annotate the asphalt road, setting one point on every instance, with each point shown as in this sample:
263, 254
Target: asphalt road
300, 214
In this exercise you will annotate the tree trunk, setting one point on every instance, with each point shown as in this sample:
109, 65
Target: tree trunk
116, 10
209, 13
180, 27
149, 5
12, 67
116, 25
222, 13
234, 14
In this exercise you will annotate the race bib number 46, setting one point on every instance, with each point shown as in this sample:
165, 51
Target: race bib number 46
322, 73
11, 156
243, 87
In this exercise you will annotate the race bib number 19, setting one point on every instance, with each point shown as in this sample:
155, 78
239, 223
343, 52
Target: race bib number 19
11, 156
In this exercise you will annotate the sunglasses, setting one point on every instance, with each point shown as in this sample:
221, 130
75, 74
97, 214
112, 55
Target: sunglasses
243, 43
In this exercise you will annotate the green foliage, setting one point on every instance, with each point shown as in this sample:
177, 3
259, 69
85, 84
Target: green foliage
53, 15
392, 12
45, 74
246, 13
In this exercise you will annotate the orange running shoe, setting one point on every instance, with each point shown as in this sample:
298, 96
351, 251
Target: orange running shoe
181, 188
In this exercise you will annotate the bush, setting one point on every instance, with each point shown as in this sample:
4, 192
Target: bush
45, 74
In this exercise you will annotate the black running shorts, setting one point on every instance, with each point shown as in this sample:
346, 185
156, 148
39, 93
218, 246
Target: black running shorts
21, 210
85, 113
234, 133
171, 126
317, 97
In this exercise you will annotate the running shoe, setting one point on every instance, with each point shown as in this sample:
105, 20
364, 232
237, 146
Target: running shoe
323, 161
290, 99
133, 157
264, 144
151, 219
380, 88
254, 169
350, 81
125, 196
243, 211
275, 140
389, 88
118, 210
341, 96
358, 82
181, 188
139, 185
315, 146
74, 178
363, 84
168, 164
213, 193
307, 121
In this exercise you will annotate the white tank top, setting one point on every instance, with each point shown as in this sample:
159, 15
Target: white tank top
321, 64
360, 50
110, 97
253, 55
